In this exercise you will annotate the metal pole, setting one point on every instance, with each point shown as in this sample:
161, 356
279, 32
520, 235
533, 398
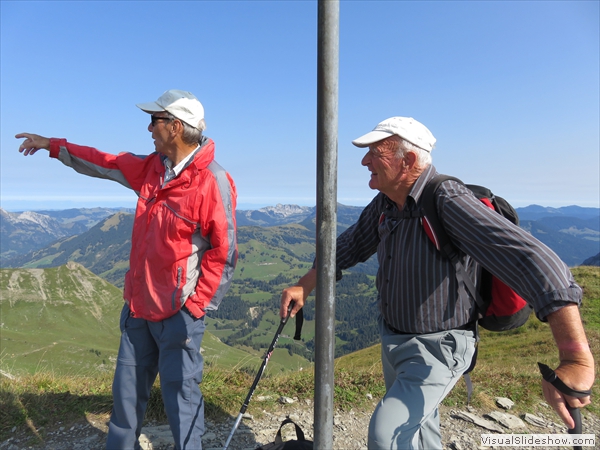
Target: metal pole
327, 123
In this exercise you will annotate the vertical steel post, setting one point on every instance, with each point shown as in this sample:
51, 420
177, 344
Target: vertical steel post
327, 131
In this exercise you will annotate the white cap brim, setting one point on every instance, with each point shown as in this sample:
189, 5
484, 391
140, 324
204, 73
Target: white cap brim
150, 107
371, 137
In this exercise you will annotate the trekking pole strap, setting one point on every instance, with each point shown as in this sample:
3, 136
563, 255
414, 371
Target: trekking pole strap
550, 376
299, 322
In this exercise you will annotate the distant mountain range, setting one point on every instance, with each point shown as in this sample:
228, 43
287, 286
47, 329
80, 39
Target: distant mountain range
536, 212
22, 232
347, 215
51, 238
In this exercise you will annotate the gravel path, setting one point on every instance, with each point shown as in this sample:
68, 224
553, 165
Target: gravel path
349, 430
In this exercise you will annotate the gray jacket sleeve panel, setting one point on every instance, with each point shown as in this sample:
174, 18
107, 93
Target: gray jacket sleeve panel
90, 169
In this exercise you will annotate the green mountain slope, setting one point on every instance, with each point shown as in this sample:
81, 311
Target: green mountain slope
58, 319
506, 367
65, 320
104, 249
270, 259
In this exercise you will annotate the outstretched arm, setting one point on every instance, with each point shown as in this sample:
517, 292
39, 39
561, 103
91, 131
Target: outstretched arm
576, 368
32, 143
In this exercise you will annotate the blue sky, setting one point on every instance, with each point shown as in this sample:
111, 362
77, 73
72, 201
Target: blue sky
509, 89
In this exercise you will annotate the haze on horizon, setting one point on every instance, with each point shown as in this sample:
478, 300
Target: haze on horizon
511, 91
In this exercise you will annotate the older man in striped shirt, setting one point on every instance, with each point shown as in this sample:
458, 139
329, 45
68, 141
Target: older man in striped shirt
427, 327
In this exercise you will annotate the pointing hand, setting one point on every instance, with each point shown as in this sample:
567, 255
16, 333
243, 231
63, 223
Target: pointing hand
32, 143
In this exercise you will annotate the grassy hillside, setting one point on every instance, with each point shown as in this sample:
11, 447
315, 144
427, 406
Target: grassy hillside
65, 321
506, 367
507, 361
62, 319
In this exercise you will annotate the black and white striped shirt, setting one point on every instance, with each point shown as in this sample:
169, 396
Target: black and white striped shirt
418, 291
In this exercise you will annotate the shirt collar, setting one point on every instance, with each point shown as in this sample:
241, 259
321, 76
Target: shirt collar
417, 188
415, 191
179, 167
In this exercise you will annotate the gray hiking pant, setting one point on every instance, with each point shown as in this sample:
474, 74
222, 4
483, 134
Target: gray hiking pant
419, 371
170, 347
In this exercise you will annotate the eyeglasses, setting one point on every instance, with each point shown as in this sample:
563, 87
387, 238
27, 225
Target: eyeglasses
154, 119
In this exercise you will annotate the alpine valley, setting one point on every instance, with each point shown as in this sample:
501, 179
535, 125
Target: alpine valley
62, 272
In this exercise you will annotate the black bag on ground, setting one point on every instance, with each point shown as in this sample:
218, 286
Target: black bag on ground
300, 444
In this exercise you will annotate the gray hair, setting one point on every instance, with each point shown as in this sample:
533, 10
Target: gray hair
190, 134
423, 156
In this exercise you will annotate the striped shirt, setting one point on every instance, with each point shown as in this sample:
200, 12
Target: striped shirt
417, 288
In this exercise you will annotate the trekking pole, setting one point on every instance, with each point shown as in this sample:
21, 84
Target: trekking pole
550, 376
259, 374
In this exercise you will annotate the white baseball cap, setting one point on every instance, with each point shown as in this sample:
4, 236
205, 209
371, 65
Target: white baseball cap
406, 127
183, 105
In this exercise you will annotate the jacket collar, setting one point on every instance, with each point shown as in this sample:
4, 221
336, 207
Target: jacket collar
201, 157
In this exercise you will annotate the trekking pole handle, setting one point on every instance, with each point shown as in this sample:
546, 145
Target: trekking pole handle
550, 376
289, 312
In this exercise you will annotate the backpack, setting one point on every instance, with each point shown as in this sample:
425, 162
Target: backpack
279, 444
500, 308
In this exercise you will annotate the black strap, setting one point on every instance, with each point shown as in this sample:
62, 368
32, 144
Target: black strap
464, 281
466, 373
299, 322
550, 376
428, 205
414, 214
469, 384
299, 432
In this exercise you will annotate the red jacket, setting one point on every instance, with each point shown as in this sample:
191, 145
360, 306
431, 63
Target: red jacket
183, 245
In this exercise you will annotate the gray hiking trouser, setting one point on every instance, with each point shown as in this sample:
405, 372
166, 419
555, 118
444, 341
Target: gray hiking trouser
170, 348
419, 371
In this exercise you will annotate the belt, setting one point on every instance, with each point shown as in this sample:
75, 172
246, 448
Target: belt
466, 326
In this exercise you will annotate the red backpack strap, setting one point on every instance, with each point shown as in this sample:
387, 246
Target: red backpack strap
487, 202
430, 232
431, 223
439, 237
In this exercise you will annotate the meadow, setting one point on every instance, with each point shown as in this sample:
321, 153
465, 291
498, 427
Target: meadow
506, 367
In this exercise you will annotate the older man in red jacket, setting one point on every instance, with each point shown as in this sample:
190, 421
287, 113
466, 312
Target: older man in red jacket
183, 256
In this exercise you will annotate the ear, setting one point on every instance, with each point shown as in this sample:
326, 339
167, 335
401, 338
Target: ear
409, 160
176, 127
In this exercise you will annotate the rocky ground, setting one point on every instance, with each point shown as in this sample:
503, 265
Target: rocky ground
461, 429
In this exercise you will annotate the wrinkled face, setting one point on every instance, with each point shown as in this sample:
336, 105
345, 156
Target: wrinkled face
384, 165
158, 128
